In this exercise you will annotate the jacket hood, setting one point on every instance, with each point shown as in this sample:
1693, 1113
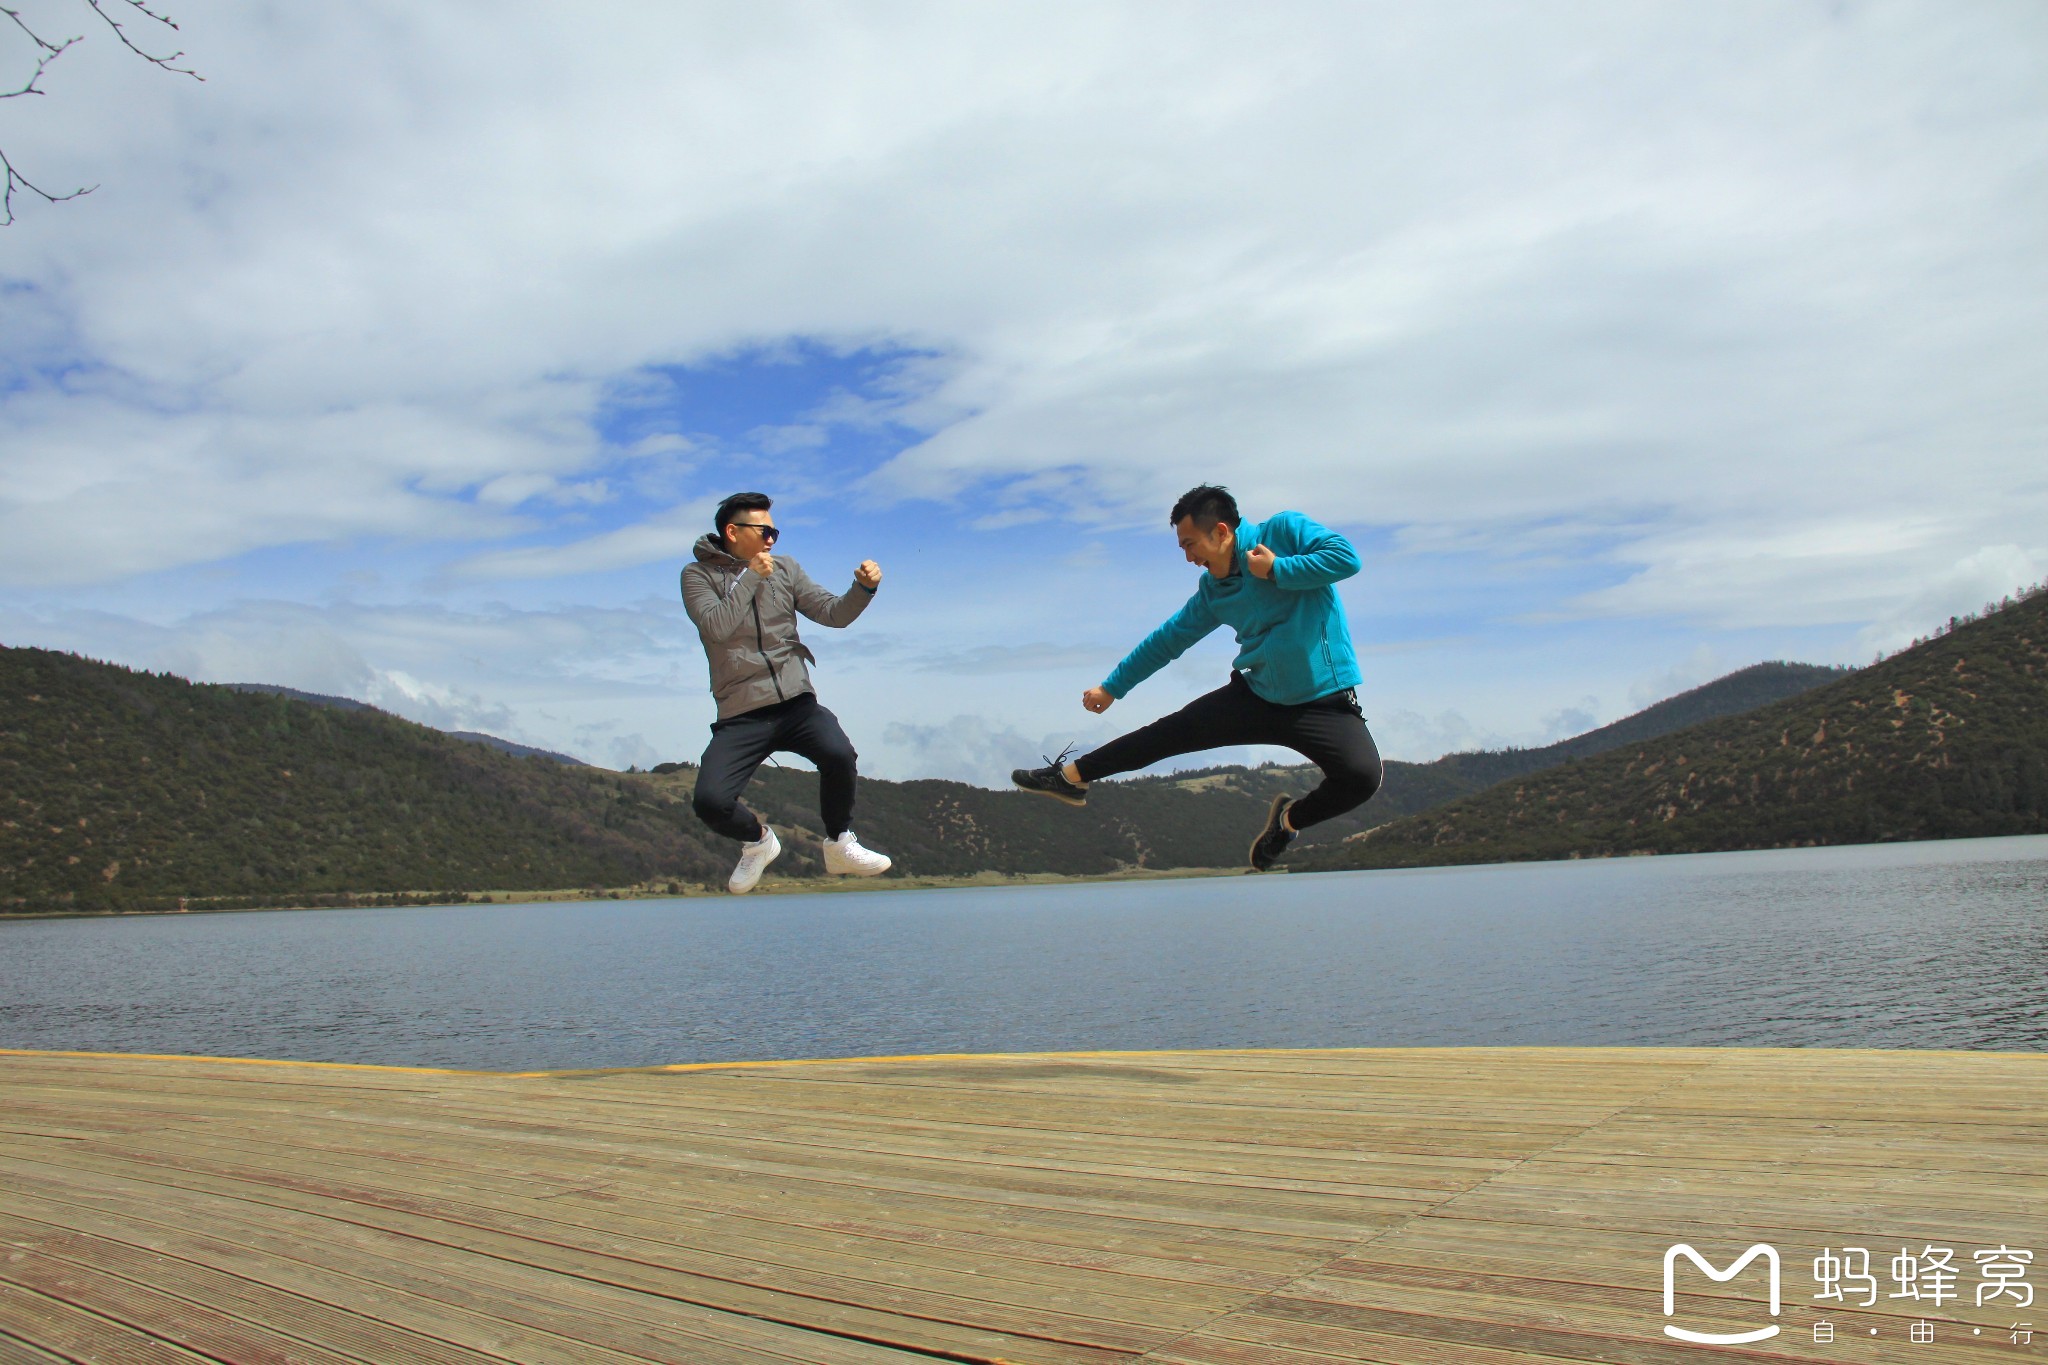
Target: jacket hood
711, 550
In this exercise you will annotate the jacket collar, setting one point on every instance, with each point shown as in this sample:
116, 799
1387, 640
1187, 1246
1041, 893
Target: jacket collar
711, 550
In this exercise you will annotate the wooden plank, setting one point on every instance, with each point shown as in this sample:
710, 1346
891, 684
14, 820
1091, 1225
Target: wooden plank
1420, 1207
207, 1323
745, 1232
870, 1319
470, 1300
730, 1153
656, 1185
14, 1351
1070, 1316
728, 1245
1188, 1157
1348, 1343
76, 1334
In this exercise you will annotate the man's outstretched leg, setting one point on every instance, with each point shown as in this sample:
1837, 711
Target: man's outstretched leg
1208, 722
1329, 732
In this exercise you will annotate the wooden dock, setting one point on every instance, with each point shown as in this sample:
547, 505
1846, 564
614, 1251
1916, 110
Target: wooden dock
1421, 1206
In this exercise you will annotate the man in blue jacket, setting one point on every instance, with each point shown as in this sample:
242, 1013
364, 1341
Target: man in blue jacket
1293, 683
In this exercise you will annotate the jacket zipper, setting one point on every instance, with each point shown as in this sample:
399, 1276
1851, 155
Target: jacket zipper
761, 644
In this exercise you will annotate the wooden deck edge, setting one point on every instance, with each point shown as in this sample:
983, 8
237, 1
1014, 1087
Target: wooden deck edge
1707, 1054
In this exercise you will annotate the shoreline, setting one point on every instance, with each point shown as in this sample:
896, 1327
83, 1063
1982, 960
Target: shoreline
821, 886
780, 886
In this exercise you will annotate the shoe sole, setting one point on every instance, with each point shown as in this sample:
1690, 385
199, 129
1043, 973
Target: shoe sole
1060, 797
1251, 858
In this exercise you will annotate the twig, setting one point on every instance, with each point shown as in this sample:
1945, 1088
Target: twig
16, 180
48, 52
119, 32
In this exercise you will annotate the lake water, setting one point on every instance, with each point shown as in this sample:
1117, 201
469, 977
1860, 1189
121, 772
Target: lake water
1931, 945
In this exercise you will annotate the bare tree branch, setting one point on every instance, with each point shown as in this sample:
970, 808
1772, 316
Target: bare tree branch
16, 180
47, 52
99, 8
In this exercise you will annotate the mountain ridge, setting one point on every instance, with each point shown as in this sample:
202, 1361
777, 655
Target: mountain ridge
351, 704
1947, 739
130, 790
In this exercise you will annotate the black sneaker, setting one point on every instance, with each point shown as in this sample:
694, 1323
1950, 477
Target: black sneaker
1051, 780
1273, 840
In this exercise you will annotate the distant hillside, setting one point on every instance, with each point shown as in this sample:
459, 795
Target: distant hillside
506, 746
1948, 739
350, 704
310, 698
937, 828
127, 790
1415, 787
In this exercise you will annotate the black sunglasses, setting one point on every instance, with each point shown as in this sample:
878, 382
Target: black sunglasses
769, 535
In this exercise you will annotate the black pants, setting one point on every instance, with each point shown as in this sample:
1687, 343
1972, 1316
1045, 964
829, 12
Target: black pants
1328, 731
738, 746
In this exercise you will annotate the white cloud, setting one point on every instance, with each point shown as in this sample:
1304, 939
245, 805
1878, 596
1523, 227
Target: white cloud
1567, 721
667, 537
964, 749
1703, 665
1416, 738
595, 683
1741, 306
1967, 586
1011, 659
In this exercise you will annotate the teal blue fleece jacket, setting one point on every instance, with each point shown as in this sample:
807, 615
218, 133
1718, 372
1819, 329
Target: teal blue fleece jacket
1293, 645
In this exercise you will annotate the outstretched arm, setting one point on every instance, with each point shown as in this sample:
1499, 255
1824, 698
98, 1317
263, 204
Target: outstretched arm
830, 609
1306, 554
1162, 646
717, 617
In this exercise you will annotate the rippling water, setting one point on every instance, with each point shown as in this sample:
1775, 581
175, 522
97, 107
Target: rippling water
1932, 945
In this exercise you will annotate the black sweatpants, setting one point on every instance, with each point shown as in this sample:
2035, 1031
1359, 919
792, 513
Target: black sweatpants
740, 743
1329, 731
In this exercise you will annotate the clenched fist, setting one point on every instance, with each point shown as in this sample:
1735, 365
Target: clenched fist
762, 563
868, 575
1097, 700
1259, 559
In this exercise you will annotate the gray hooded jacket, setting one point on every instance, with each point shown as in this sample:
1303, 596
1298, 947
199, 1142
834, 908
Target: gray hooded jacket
748, 625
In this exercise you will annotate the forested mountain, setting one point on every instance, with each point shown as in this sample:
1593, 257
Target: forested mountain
1948, 739
129, 790
123, 789
351, 704
1415, 787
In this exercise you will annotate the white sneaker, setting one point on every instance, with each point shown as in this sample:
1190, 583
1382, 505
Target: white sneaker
845, 857
754, 860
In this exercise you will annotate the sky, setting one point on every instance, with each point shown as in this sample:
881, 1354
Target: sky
404, 357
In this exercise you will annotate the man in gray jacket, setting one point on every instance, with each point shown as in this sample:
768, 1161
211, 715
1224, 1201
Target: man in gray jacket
744, 601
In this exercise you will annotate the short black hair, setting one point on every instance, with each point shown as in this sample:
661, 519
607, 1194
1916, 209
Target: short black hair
738, 502
1208, 504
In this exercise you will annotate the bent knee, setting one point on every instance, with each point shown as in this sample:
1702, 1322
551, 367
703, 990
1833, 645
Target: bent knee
1358, 781
713, 808
836, 757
